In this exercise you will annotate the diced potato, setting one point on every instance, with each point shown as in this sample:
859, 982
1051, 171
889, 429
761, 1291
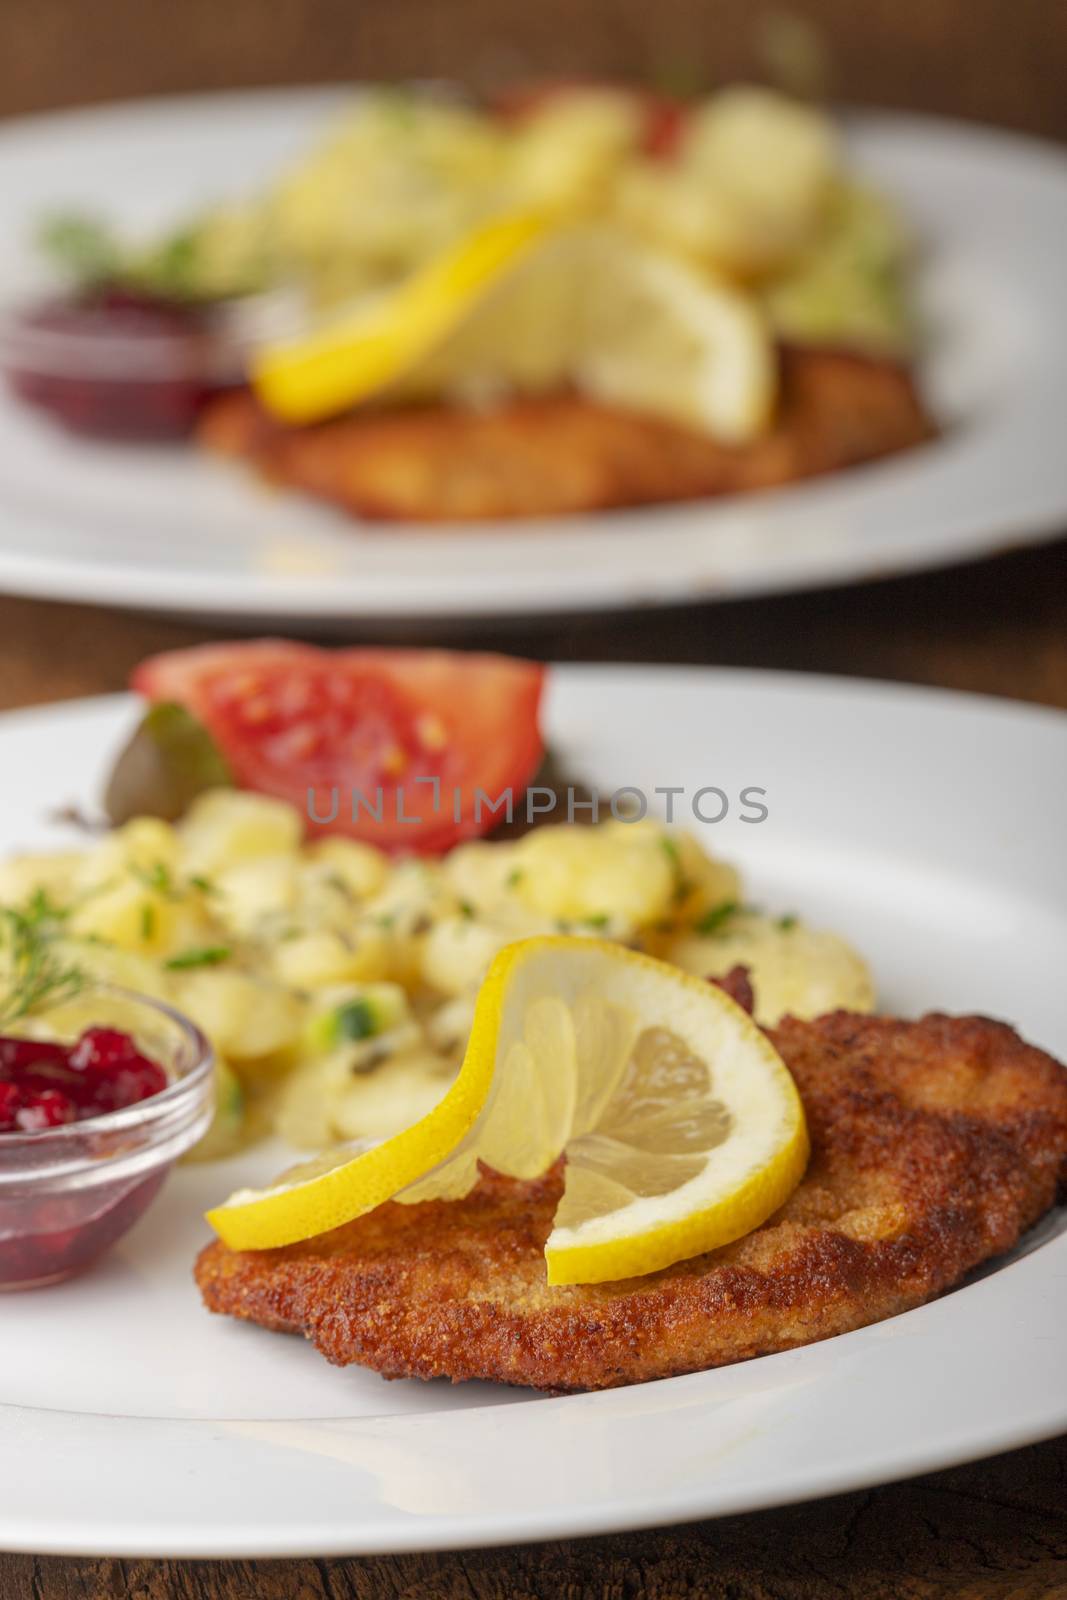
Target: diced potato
22, 876
376, 1104
227, 1129
251, 891
229, 825
108, 964
147, 843
689, 215
243, 1017
701, 882
362, 869
413, 891
312, 959
143, 852
795, 970
315, 958
303, 1113
449, 1025
481, 874
772, 156
457, 951
617, 873
750, 187
566, 153
134, 917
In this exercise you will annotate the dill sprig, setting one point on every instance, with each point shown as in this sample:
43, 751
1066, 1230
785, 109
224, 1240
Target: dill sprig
36, 975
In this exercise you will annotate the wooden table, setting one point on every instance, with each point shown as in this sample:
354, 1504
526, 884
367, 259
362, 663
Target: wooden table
991, 1531
995, 627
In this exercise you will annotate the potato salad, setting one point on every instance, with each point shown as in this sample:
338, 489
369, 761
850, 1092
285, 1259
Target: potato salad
745, 185
337, 984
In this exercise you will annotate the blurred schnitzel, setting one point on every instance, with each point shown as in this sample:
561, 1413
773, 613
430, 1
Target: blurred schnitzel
562, 453
935, 1144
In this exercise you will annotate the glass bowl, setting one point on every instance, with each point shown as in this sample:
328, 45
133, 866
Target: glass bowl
118, 369
67, 1193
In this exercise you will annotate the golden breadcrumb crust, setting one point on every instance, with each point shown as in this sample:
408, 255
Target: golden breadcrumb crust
562, 453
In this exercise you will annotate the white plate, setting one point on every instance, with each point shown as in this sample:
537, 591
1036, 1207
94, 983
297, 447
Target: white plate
169, 530
928, 828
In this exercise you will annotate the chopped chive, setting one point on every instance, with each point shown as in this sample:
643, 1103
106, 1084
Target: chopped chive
788, 921
148, 920
356, 1020
157, 877
206, 956
715, 920
682, 885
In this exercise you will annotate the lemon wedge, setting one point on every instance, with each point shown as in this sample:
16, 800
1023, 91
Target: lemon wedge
532, 304
682, 1126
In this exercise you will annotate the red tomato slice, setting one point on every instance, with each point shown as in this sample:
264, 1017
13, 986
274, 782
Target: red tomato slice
664, 117
397, 743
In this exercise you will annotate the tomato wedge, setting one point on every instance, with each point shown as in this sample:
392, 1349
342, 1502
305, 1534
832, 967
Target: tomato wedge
392, 746
663, 118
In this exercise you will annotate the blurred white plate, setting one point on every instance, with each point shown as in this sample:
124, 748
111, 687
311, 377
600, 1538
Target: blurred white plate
170, 530
131, 1422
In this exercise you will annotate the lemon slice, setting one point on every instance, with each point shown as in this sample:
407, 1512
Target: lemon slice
355, 355
322, 1194
682, 1126
666, 337
531, 305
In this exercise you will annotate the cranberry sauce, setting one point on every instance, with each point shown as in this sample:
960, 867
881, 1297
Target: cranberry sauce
45, 1085
114, 364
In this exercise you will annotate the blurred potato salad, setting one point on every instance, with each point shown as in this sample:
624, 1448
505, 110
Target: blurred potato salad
752, 187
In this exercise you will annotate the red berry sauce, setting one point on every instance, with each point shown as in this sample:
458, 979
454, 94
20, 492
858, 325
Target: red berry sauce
114, 364
44, 1085
48, 1233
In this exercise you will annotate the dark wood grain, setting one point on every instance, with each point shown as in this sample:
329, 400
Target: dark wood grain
995, 627
983, 59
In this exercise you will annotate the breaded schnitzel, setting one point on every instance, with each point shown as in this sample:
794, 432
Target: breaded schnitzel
563, 453
935, 1144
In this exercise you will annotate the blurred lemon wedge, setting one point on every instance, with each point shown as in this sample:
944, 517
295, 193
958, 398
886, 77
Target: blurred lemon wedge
682, 1126
530, 304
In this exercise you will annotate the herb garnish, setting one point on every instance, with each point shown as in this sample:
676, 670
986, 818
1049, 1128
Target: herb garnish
36, 975
715, 920
682, 885
158, 877
208, 955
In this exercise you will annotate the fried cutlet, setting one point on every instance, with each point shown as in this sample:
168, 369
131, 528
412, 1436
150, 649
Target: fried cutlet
935, 1144
563, 453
